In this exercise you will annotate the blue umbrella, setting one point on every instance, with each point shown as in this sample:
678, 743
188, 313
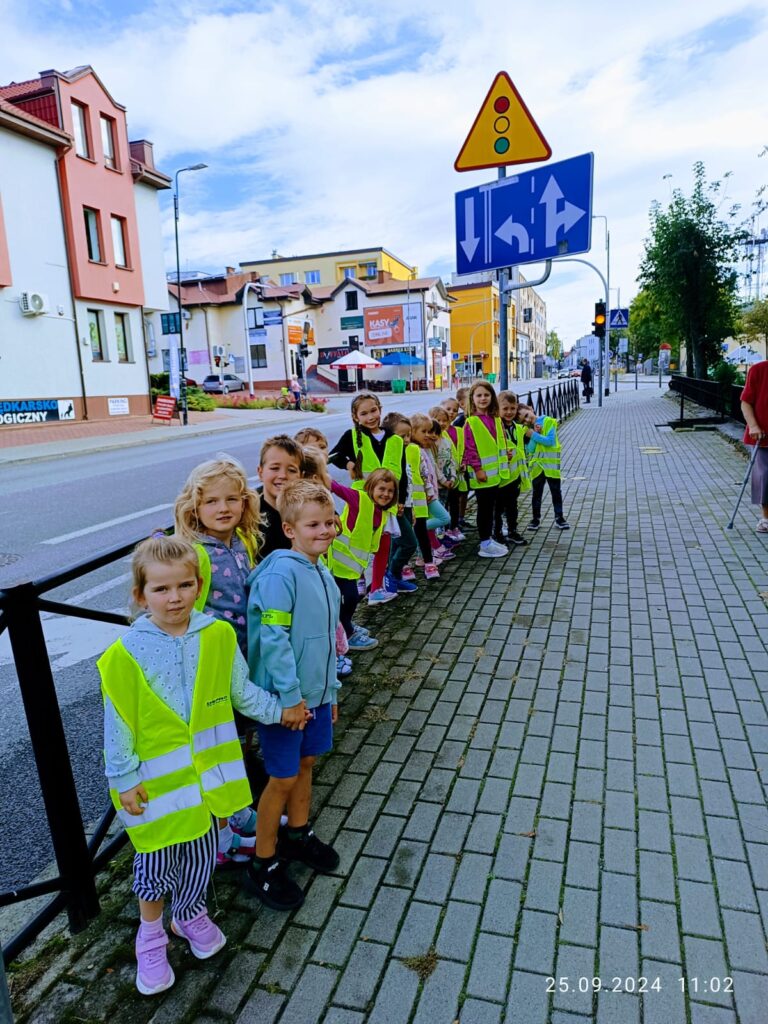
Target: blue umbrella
401, 359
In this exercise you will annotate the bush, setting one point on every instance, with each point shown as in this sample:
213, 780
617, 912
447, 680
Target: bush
726, 374
242, 400
197, 400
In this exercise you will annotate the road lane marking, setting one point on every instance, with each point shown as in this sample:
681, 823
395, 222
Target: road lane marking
105, 525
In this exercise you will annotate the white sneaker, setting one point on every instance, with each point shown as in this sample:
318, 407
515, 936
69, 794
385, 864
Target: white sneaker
501, 549
762, 526
490, 549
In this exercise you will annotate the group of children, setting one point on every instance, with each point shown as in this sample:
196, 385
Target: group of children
246, 615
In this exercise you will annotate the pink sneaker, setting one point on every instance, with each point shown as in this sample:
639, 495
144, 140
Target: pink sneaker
203, 936
443, 554
154, 974
408, 574
431, 572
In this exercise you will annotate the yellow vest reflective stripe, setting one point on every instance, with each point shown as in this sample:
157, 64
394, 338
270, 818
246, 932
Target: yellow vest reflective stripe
190, 772
546, 460
393, 456
348, 555
204, 559
418, 491
492, 452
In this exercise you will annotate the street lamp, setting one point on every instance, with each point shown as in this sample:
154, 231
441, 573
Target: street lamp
248, 363
606, 357
182, 352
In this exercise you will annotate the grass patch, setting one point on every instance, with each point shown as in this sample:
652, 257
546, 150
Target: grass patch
423, 965
22, 974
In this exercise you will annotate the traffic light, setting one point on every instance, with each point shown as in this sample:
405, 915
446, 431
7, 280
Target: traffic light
599, 322
217, 360
303, 350
304, 345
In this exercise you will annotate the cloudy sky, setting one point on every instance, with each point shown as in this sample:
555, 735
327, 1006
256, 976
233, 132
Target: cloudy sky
334, 124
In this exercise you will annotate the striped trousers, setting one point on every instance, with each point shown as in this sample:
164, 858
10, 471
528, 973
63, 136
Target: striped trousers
183, 870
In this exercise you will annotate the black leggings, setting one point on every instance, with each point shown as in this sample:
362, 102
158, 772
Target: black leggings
349, 601
538, 492
506, 507
422, 536
454, 498
486, 506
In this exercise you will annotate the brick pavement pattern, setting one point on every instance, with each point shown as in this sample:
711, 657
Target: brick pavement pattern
550, 768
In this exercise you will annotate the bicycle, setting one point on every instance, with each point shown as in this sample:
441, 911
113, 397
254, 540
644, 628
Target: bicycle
287, 400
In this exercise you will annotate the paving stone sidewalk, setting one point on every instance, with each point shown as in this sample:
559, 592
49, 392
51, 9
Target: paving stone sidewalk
549, 771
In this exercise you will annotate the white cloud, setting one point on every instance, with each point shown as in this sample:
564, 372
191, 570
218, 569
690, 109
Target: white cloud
332, 124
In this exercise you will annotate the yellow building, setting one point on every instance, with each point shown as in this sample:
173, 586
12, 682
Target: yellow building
475, 329
328, 268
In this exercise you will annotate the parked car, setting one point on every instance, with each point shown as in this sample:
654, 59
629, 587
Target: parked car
563, 373
576, 373
213, 384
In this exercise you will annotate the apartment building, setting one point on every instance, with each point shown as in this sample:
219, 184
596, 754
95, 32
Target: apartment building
81, 254
329, 268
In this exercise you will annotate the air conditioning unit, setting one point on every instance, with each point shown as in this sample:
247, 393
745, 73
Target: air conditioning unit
219, 350
33, 303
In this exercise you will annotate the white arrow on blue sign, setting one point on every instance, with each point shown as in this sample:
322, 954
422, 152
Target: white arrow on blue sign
530, 217
618, 318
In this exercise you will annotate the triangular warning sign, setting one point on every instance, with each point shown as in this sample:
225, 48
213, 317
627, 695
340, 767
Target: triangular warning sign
504, 131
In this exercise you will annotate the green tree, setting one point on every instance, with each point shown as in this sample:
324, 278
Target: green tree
647, 329
689, 266
754, 321
554, 346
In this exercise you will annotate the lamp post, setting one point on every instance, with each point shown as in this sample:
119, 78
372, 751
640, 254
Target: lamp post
182, 352
248, 362
606, 357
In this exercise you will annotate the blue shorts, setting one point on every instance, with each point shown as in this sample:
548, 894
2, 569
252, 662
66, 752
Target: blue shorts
283, 748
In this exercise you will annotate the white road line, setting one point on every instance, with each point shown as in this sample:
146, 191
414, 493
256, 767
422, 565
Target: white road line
103, 526
100, 588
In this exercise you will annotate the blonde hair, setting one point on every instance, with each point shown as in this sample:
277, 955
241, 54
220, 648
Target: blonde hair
437, 411
185, 511
418, 419
164, 550
380, 476
296, 495
284, 443
312, 462
509, 396
307, 435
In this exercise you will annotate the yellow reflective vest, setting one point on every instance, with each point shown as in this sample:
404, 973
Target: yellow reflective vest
348, 556
518, 464
393, 456
417, 489
190, 771
492, 451
457, 449
204, 560
542, 459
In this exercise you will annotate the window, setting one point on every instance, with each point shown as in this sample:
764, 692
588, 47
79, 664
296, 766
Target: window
354, 342
371, 270
348, 273
258, 356
122, 336
286, 279
255, 317
80, 127
351, 298
166, 354
118, 242
96, 332
108, 141
312, 277
92, 234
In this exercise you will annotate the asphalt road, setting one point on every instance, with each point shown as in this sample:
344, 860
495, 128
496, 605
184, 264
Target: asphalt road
58, 512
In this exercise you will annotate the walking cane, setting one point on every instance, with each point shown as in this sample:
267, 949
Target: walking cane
747, 475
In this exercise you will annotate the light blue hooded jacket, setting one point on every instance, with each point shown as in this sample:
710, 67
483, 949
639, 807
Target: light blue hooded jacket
293, 609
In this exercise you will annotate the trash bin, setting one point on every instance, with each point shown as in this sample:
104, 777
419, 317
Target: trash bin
398, 387
491, 378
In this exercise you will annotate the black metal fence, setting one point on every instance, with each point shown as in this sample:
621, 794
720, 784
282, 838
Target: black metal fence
78, 857
724, 399
557, 400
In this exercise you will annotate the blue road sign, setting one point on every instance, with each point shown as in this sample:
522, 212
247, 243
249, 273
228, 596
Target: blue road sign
526, 218
618, 318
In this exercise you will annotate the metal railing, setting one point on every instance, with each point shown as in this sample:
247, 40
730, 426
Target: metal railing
724, 399
78, 858
557, 400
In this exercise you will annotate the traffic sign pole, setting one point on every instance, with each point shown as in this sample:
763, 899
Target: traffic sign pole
503, 320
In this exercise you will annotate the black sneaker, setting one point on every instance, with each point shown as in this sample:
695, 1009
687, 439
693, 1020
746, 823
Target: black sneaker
500, 538
516, 538
561, 524
534, 524
270, 883
309, 850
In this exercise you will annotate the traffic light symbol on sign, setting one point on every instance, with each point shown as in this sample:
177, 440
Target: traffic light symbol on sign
504, 131
599, 322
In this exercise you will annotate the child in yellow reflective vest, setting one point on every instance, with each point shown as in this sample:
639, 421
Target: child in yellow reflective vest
485, 455
543, 453
171, 748
510, 490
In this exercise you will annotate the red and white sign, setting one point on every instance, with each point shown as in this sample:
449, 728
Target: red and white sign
393, 325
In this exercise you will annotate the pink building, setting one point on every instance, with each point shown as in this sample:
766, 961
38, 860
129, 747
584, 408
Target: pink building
105, 189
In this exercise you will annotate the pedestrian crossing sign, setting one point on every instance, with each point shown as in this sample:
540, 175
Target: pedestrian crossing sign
619, 318
504, 132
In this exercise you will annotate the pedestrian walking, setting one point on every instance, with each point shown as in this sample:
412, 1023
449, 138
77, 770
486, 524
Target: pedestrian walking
754, 405
586, 381
295, 388
172, 755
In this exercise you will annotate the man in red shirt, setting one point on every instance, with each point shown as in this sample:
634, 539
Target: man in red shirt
754, 405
